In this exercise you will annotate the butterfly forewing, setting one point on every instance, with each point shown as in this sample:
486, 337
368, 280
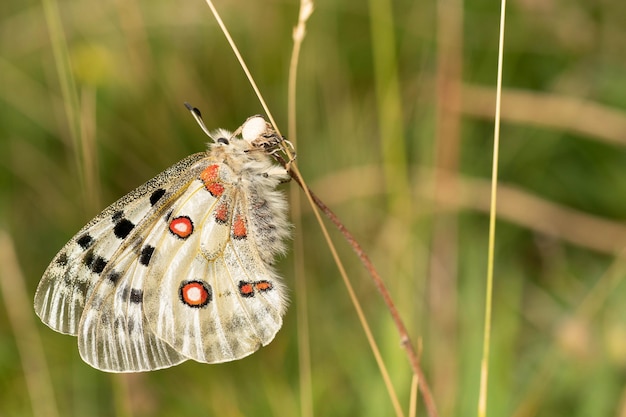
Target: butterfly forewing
72, 274
180, 267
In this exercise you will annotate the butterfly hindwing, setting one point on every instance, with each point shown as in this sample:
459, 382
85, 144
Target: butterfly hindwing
113, 335
198, 305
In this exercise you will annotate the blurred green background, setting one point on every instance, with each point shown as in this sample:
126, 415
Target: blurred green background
395, 130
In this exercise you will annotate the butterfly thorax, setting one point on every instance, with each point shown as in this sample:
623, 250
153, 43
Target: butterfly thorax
246, 167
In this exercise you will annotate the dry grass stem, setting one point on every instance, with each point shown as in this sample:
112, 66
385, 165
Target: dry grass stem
484, 363
242, 62
301, 293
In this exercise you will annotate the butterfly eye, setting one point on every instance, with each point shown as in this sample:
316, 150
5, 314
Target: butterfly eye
222, 140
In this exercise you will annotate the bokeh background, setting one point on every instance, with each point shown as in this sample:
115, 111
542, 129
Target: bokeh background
394, 131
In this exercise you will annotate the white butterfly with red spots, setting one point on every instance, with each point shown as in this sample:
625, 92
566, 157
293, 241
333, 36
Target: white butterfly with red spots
179, 268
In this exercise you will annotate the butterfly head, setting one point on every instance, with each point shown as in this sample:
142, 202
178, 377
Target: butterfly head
260, 134
254, 134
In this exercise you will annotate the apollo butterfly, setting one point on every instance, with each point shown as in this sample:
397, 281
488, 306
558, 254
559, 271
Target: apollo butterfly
179, 268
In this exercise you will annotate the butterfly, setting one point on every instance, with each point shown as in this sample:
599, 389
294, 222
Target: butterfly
181, 267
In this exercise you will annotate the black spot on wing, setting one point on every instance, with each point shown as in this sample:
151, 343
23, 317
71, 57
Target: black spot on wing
98, 264
156, 196
85, 241
122, 228
113, 277
136, 296
62, 259
146, 255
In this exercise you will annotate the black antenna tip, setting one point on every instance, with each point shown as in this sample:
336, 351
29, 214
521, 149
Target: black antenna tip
194, 110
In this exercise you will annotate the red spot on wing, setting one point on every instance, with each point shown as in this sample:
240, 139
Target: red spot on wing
246, 289
181, 227
210, 173
216, 189
221, 213
195, 293
210, 178
239, 227
263, 285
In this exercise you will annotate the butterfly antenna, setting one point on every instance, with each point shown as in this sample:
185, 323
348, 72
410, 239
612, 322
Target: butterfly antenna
198, 116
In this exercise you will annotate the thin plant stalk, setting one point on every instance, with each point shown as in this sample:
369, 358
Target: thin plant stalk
484, 365
304, 349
